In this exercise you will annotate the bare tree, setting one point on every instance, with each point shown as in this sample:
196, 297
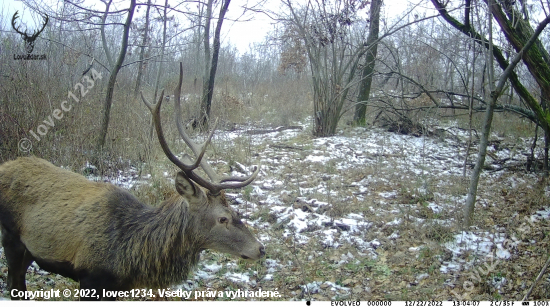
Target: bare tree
516, 26
326, 29
474, 179
161, 62
141, 65
162, 50
370, 60
103, 37
333, 36
211, 63
496, 92
112, 78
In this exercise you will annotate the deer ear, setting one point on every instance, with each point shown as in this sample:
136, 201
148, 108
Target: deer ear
187, 188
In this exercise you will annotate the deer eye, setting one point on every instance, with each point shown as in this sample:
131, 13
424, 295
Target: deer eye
222, 220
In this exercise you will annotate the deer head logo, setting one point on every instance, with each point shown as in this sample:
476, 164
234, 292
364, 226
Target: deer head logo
29, 40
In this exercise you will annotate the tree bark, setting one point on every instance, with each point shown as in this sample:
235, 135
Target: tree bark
370, 60
205, 79
517, 36
208, 91
522, 91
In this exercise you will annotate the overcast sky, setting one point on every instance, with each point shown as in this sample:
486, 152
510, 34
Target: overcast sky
240, 34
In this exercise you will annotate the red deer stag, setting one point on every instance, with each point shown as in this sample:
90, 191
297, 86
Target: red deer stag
105, 238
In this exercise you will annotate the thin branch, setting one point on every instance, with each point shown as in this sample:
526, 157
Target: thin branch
537, 279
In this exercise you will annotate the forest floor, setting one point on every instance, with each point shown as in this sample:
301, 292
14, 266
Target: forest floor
372, 215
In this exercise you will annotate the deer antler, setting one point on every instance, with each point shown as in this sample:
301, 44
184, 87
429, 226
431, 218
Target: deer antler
35, 33
15, 16
217, 183
155, 111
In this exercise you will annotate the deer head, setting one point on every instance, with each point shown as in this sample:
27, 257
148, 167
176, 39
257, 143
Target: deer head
213, 196
29, 40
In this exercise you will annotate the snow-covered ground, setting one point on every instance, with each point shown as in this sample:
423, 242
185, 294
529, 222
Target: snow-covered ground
303, 180
353, 193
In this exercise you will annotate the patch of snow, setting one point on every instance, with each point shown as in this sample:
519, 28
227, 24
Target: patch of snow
317, 159
422, 276
214, 267
541, 215
435, 208
238, 277
388, 195
200, 274
481, 245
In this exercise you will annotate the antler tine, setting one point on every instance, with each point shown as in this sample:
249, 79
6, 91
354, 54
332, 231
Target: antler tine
36, 33
15, 16
155, 112
150, 106
194, 147
243, 179
229, 182
235, 182
218, 183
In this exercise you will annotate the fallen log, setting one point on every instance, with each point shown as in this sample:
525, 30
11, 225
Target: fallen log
278, 129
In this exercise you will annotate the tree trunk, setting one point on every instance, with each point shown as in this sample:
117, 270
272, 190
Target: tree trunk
522, 91
208, 91
142, 51
112, 79
205, 79
162, 49
545, 107
326, 119
517, 35
368, 69
495, 93
161, 66
103, 38
470, 105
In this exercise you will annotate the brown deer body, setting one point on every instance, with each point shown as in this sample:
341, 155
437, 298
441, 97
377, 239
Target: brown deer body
104, 237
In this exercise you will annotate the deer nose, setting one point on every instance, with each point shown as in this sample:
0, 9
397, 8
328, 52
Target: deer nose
262, 251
